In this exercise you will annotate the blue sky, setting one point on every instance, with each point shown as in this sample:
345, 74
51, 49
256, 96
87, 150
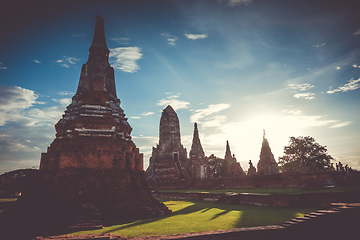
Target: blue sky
235, 67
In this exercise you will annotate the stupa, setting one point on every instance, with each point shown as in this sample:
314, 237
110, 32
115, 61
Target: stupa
267, 164
93, 159
168, 162
199, 164
232, 167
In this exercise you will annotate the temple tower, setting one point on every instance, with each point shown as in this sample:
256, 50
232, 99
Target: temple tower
232, 166
267, 164
199, 164
93, 159
168, 162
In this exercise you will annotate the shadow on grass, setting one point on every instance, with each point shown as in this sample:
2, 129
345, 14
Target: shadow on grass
196, 206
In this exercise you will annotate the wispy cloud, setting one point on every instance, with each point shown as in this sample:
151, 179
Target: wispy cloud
352, 85
300, 87
134, 117
202, 114
65, 61
319, 45
170, 38
173, 102
195, 36
122, 41
342, 124
357, 32
36, 61
2, 66
124, 58
147, 113
307, 96
12, 97
63, 101
65, 93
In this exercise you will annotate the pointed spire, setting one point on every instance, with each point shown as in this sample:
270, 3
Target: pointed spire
99, 51
196, 151
228, 152
99, 34
263, 133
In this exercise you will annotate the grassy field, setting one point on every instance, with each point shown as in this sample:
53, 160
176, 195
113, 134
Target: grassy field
268, 190
196, 216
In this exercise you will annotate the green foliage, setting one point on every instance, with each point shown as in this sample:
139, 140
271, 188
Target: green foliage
304, 155
218, 166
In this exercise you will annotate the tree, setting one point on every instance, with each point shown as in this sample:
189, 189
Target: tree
304, 154
218, 166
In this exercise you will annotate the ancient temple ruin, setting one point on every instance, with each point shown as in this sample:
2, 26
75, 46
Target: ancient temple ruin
232, 167
93, 159
267, 164
199, 164
168, 162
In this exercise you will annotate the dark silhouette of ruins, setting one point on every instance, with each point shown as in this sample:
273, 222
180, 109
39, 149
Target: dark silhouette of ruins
93, 159
267, 164
233, 168
169, 164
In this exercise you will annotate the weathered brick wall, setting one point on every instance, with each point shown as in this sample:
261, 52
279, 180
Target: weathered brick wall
269, 200
281, 180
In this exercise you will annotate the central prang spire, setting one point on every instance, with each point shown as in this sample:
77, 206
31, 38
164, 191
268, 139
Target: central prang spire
98, 49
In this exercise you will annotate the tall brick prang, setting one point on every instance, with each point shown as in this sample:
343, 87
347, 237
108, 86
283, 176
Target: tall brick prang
168, 162
93, 159
267, 164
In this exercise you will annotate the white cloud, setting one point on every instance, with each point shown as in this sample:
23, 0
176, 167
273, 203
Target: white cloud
147, 113
67, 60
36, 61
124, 58
201, 114
357, 32
300, 87
170, 38
195, 36
307, 96
319, 45
15, 147
122, 41
352, 85
12, 97
1, 66
338, 68
63, 101
65, 93
173, 102
134, 117
342, 124
356, 66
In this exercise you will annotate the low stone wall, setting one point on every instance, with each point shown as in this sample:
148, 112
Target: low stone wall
270, 200
191, 196
281, 180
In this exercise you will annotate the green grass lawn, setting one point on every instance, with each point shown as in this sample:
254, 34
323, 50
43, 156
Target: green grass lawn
197, 216
268, 190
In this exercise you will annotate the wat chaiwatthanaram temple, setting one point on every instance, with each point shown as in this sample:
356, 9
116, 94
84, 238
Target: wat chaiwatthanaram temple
170, 165
94, 135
